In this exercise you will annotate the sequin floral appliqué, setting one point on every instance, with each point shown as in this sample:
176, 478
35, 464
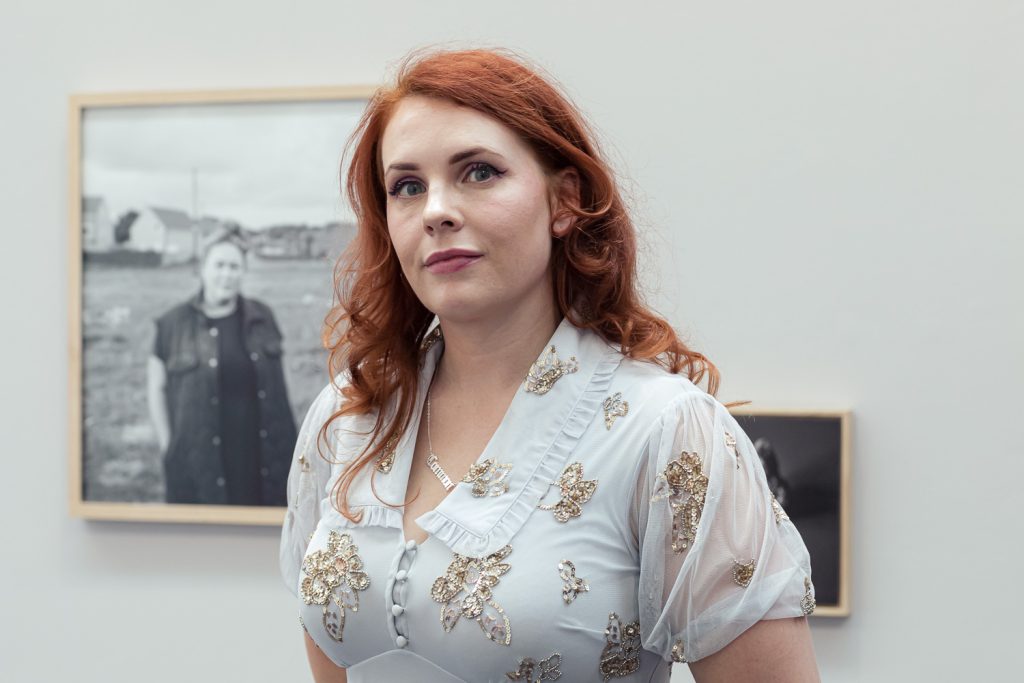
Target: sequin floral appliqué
684, 484
548, 370
488, 478
621, 654
571, 586
614, 407
464, 590
386, 459
334, 575
533, 671
575, 492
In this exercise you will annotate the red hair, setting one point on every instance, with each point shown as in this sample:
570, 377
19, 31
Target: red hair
375, 330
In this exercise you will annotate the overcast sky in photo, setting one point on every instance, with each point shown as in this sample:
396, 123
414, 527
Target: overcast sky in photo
259, 164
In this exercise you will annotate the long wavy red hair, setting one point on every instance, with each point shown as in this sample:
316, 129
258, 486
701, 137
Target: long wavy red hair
375, 330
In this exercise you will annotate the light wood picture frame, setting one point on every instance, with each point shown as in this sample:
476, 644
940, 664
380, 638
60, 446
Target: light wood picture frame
156, 178
806, 456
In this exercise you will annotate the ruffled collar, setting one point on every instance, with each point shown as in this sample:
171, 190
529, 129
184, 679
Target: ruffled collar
538, 433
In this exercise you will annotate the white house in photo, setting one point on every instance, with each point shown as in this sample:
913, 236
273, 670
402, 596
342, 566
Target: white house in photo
97, 226
170, 232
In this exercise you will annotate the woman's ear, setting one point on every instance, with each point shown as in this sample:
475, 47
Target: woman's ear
565, 197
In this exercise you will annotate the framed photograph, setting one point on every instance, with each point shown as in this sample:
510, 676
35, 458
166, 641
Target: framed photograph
203, 231
806, 457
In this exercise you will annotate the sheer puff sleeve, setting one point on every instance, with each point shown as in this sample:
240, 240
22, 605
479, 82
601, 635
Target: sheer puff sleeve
307, 482
717, 553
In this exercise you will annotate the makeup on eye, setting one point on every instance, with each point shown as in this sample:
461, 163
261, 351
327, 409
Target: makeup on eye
475, 172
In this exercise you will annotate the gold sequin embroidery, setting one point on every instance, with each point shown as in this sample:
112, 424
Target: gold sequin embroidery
677, 652
334, 575
780, 514
488, 478
573, 586
730, 443
684, 484
464, 590
808, 603
621, 654
386, 459
547, 370
742, 573
532, 671
614, 407
432, 338
575, 492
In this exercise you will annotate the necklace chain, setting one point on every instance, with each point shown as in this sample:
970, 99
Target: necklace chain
432, 462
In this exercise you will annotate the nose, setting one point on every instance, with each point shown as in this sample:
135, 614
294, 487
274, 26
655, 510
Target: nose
440, 211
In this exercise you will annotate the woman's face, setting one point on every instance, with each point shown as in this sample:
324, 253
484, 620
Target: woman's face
468, 209
222, 273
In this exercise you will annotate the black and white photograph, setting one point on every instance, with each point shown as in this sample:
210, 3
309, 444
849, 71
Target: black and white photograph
805, 462
208, 233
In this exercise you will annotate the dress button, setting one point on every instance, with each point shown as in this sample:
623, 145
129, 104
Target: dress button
397, 610
263, 433
401, 641
401, 575
220, 481
214, 332
213, 362
264, 471
216, 440
261, 394
214, 400
254, 356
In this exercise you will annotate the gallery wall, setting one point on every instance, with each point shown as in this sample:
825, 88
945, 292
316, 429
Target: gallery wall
829, 196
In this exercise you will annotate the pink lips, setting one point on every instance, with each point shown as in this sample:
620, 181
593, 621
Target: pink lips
450, 260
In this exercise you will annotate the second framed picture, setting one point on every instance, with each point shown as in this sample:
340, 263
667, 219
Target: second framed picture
806, 459
204, 226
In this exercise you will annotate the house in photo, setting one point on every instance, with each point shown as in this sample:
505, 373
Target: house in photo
97, 227
169, 232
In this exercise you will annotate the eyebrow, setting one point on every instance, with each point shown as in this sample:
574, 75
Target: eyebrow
453, 159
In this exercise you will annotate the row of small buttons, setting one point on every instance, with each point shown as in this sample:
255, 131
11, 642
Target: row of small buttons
397, 609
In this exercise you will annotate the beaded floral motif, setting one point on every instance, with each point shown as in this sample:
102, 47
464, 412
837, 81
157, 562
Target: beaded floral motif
621, 654
573, 586
575, 492
432, 338
488, 478
334, 575
533, 671
386, 459
742, 573
677, 652
730, 443
780, 514
548, 370
808, 603
684, 484
464, 590
614, 407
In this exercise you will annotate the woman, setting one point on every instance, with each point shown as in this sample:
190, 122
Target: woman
217, 395
513, 438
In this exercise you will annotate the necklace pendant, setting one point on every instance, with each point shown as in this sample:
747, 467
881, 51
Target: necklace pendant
441, 475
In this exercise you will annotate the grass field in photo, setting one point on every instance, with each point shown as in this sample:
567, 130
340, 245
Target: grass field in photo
121, 459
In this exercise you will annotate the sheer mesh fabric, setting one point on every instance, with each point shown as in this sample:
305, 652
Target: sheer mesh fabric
691, 597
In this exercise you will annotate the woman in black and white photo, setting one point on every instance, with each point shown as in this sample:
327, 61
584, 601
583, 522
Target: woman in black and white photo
216, 389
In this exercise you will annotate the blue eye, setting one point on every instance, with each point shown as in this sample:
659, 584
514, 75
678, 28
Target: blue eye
480, 172
406, 188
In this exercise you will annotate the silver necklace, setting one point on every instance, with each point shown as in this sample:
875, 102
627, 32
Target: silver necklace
432, 462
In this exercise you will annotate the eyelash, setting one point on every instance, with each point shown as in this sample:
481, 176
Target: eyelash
475, 166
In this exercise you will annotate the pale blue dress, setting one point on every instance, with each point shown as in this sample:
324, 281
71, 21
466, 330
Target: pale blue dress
620, 521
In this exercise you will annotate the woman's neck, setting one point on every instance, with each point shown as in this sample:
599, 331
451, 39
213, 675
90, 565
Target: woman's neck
493, 353
219, 309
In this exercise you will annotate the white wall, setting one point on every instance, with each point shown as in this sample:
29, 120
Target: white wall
832, 195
